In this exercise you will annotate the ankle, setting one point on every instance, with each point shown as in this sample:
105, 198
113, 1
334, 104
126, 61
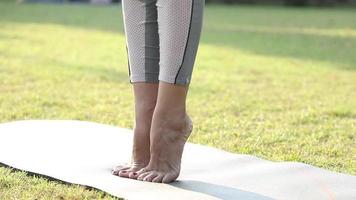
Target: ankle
178, 112
143, 114
145, 106
171, 121
142, 128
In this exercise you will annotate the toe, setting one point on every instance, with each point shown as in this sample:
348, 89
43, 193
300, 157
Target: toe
169, 177
150, 176
124, 173
158, 178
143, 170
116, 170
133, 175
142, 176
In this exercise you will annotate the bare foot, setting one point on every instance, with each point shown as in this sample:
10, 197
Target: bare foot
145, 103
140, 155
168, 137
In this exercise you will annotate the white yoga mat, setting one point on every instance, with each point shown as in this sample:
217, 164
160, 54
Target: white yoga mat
85, 152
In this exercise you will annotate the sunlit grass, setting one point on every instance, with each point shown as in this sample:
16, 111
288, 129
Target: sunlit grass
272, 82
345, 33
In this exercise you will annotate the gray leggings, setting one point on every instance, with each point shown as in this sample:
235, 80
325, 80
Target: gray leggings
162, 38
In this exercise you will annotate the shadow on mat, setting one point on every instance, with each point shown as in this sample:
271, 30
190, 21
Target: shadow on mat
218, 191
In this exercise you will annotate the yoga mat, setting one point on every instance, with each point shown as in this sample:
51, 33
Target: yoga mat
84, 153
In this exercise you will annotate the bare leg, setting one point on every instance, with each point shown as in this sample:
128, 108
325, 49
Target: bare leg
145, 102
171, 127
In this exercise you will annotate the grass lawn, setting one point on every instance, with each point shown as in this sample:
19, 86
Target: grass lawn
278, 83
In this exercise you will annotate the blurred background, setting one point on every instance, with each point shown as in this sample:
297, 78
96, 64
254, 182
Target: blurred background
276, 2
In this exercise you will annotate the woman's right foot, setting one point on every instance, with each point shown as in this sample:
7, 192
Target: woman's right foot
140, 155
145, 103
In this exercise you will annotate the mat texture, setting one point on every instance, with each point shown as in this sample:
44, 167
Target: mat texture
85, 152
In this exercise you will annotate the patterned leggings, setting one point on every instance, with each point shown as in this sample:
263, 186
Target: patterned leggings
162, 38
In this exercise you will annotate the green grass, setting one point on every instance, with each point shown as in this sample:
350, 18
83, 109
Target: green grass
278, 83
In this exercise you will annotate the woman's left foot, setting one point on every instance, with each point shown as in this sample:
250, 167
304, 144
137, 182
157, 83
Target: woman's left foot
169, 133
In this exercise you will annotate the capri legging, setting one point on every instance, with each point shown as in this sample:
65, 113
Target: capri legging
162, 38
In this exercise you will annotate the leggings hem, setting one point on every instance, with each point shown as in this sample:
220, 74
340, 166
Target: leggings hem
147, 77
